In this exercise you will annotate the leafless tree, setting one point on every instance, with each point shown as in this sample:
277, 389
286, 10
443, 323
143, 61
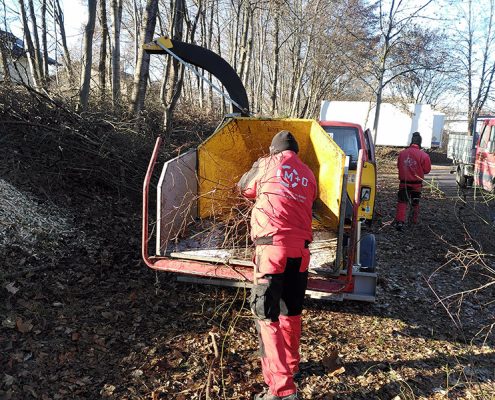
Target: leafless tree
398, 46
276, 54
59, 16
102, 75
44, 44
31, 51
116, 9
4, 46
37, 48
87, 59
173, 80
428, 87
141, 72
474, 44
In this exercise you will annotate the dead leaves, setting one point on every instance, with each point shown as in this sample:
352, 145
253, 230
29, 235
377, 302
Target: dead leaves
332, 363
107, 390
23, 326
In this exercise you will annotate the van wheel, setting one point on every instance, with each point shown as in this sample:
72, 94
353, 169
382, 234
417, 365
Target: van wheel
460, 178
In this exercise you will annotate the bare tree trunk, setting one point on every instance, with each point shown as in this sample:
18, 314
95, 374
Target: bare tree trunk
55, 39
136, 31
60, 20
234, 41
87, 56
260, 62
309, 49
200, 82
5, 62
377, 112
116, 6
37, 48
102, 71
141, 72
276, 55
249, 55
191, 26
175, 75
378, 105
5, 59
30, 46
43, 39
4, 47
244, 38
213, 17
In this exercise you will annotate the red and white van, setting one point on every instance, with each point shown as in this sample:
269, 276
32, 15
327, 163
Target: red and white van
484, 163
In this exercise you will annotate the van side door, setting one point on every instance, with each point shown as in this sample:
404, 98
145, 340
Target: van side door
484, 169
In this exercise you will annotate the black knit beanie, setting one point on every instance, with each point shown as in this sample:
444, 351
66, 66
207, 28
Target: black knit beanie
416, 139
284, 140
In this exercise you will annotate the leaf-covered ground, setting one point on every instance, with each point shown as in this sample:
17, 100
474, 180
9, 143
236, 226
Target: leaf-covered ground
83, 318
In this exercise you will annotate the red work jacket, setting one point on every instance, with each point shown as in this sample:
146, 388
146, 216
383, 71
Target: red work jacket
285, 189
413, 165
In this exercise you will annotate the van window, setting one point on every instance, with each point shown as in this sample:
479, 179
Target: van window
347, 138
368, 144
485, 136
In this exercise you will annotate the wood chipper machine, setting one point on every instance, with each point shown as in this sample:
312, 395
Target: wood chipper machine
202, 221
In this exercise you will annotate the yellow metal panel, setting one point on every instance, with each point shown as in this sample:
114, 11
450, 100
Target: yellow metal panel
368, 178
154, 47
327, 161
226, 155
165, 41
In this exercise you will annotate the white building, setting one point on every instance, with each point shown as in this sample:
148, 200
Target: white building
396, 124
17, 60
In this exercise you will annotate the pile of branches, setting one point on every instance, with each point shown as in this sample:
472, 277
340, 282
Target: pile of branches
47, 140
49, 143
65, 175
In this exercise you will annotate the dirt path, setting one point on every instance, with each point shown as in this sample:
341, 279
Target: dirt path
441, 178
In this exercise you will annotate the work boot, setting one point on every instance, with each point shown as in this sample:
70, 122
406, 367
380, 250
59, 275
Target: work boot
399, 225
266, 395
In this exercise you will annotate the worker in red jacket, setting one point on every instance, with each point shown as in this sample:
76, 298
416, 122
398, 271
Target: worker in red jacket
284, 189
413, 165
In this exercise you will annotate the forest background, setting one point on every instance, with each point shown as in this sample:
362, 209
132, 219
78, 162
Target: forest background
290, 54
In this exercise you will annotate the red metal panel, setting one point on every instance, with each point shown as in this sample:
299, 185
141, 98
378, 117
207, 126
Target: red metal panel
203, 269
243, 273
146, 186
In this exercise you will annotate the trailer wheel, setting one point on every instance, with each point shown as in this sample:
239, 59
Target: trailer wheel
460, 177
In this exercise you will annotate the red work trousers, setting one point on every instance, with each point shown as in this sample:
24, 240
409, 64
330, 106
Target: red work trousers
407, 196
277, 303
